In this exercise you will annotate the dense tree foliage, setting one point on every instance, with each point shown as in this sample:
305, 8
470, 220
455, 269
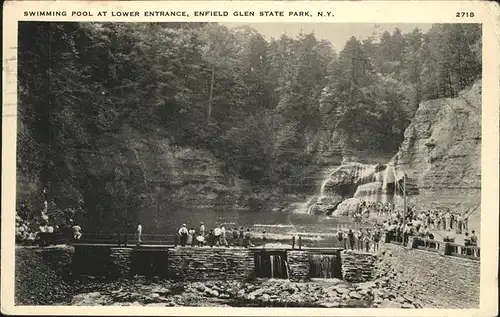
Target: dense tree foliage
259, 105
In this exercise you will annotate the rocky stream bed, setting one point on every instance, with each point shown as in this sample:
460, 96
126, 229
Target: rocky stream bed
386, 290
333, 293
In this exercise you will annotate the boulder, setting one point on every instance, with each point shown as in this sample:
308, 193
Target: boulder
342, 290
334, 304
355, 295
88, 299
264, 297
389, 304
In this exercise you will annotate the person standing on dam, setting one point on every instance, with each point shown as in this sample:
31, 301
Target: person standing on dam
202, 229
191, 237
360, 238
217, 236
340, 238
183, 232
241, 236
350, 235
223, 240
447, 220
235, 237
211, 238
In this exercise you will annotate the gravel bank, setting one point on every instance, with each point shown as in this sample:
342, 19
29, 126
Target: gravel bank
36, 281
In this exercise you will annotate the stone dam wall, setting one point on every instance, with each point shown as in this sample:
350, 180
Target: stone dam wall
357, 266
412, 272
196, 263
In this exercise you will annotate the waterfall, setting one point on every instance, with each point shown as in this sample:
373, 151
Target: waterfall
271, 264
323, 184
287, 270
312, 207
308, 207
324, 266
375, 183
304, 208
271, 260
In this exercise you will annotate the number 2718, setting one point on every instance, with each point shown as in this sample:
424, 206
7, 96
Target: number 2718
464, 14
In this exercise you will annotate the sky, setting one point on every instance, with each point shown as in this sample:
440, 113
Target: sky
336, 33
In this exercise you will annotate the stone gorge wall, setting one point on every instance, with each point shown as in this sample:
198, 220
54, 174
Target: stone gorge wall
441, 152
441, 155
437, 280
177, 176
161, 176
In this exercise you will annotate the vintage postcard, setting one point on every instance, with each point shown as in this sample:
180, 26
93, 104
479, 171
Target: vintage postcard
304, 158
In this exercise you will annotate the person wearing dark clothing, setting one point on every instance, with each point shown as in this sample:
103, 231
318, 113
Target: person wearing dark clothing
235, 237
242, 236
467, 244
350, 235
473, 238
340, 238
211, 238
247, 242
376, 239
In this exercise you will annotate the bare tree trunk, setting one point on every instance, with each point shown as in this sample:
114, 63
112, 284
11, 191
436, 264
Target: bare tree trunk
417, 76
452, 93
353, 74
211, 93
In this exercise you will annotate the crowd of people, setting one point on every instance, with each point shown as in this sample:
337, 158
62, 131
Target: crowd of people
426, 224
43, 231
218, 236
367, 208
362, 239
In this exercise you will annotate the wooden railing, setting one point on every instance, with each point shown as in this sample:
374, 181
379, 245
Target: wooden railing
472, 252
426, 244
442, 247
117, 239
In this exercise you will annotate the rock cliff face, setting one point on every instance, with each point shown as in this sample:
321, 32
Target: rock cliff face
184, 176
440, 154
136, 175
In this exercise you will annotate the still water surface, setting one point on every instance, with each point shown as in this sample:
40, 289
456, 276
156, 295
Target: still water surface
257, 221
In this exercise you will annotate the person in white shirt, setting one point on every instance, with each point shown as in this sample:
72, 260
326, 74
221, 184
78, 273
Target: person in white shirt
77, 232
217, 235
447, 218
223, 240
191, 237
139, 234
202, 229
183, 232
